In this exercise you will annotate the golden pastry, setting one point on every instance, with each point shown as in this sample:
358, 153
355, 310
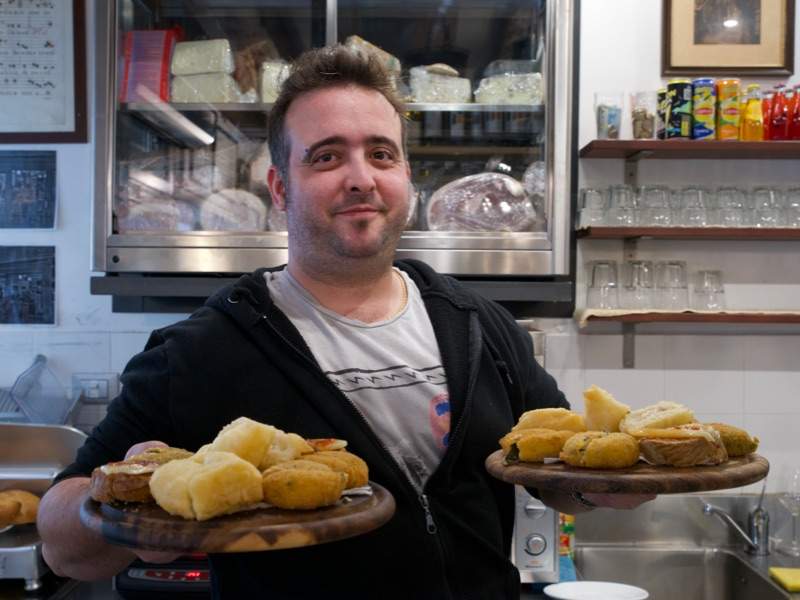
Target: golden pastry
9, 509
344, 462
301, 486
533, 445
601, 450
603, 411
559, 419
737, 441
683, 446
656, 416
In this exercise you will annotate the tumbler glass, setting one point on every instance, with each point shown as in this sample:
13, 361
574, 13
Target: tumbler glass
603, 285
672, 291
731, 203
709, 293
695, 204
654, 209
767, 204
638, 284
792, 208
594, 206
621, 205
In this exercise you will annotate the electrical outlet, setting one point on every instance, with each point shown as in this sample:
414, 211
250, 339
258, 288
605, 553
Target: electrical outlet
95, 387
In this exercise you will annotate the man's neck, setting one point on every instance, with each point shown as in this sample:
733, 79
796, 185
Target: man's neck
366, 296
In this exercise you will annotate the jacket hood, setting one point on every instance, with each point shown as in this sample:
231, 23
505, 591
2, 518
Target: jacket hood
251, 290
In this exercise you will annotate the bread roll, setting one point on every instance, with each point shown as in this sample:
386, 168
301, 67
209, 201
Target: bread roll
18, 507
205, 486
533, 445
123, 481
302, 484
683, 446
246, 438
601, 450
603, 411
285, 446
657, 416
559, 419
737, 441
9, 509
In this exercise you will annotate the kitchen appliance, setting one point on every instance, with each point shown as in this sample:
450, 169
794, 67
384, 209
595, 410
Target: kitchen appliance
534, 548
30, 458
162, 164
188, 577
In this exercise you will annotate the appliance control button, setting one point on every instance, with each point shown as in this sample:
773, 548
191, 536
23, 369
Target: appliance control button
534, 509
535, 544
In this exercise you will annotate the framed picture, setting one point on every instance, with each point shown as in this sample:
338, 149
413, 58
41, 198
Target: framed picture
43, 71
736, 37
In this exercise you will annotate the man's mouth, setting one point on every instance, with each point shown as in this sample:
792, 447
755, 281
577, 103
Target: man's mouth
358, 210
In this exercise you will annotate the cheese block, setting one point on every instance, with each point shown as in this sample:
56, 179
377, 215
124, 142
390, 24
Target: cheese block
208, 87
273, 74
510, 88
206, 56
602, 411
434, 87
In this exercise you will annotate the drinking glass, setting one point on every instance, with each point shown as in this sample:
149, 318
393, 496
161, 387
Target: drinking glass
671, 289
638, 284
695, 203
594, 204
603, 286
622, 206
709, 293
654, 209
791, 500
792, 207
767, 205
731, 203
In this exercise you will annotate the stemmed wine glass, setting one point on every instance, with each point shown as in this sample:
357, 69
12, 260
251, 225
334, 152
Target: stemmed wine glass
790, 498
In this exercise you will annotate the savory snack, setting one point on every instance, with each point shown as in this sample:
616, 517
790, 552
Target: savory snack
18, 507
207, 485
128, 480
601, 450
259, 444
302, 484
737, 441
682, 446
343, 461
657, 416
533, 445
559, 419
603, 411
320, 444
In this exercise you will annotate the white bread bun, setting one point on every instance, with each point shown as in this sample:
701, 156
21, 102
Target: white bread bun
205, 486
246, 438
656, 416
559, 419
603, 411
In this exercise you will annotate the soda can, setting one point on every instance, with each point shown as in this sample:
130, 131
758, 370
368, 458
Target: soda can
704, 105
728, 109
662, 110
679, 121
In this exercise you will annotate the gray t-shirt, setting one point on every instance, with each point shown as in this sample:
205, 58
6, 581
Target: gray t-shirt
390, 370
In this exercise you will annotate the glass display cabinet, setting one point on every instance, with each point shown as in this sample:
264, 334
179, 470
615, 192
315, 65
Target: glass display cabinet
184, 89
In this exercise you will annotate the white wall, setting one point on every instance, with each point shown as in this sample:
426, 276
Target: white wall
750, 380
747, 380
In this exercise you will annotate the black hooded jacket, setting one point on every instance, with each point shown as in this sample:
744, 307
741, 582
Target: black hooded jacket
240, 356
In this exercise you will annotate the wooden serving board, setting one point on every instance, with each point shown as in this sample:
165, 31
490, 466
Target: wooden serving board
642, 478
149, 527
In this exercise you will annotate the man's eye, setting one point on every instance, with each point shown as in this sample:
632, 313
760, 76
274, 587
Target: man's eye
383, 155
324, 157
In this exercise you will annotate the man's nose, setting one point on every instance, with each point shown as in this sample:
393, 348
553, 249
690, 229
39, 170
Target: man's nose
360, 175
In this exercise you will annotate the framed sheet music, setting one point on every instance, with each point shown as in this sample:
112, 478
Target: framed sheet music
42, 71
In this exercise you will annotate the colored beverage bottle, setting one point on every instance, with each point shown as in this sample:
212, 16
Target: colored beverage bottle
779, 115
728, 109
766, 109
753, 125
794, 125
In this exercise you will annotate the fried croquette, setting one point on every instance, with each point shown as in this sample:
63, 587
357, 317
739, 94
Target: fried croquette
737, 441
303, 488
601, 450
533, 445
344, 462
559, 419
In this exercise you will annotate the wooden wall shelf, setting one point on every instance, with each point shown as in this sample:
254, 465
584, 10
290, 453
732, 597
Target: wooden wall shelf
689, 233
688, 317
639, 149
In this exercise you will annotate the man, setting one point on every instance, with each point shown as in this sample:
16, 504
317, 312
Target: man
419, 375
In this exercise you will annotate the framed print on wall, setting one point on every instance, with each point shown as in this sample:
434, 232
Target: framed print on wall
42, 71
743, 37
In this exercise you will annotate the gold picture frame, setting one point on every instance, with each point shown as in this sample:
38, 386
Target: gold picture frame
741, 37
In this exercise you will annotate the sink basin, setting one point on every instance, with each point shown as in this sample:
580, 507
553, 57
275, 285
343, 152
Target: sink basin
687, 574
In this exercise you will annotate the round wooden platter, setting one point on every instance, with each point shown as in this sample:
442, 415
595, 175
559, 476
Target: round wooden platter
149, 527
642, 478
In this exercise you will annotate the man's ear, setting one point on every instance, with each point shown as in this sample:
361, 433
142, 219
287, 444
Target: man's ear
277, 189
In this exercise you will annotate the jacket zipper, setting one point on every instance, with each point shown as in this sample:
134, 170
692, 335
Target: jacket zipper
430, 523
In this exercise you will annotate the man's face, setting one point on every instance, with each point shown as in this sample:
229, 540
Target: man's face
347, 192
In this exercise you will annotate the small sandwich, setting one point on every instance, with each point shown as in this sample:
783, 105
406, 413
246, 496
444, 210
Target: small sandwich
682, 446
129, 480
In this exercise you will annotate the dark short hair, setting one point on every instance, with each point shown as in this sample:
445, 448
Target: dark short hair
327, 67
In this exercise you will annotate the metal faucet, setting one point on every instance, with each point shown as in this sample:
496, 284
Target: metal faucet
757, 522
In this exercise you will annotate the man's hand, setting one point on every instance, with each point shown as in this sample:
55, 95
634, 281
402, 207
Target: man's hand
619, 501
150, 556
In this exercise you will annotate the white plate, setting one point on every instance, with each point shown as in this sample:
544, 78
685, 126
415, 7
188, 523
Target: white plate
595, 590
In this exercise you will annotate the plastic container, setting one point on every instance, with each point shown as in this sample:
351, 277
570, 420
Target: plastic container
40, 396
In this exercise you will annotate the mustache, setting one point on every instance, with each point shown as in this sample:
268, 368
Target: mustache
360, 199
